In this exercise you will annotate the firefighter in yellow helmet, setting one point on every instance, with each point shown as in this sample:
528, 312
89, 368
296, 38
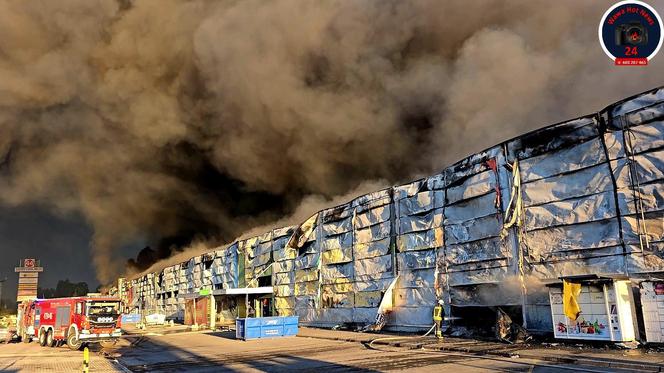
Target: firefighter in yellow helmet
438, 315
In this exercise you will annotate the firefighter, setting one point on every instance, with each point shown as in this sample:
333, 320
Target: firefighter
438, 315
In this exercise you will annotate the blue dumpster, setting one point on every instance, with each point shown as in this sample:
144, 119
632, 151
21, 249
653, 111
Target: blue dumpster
266, 327
130, 318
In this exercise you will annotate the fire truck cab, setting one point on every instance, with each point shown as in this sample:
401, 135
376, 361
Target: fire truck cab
73, 321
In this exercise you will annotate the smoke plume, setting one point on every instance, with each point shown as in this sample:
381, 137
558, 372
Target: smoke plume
183, 121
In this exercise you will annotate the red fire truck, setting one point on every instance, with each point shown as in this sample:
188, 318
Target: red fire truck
74, 321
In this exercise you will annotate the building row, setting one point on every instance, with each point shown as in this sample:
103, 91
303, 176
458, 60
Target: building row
580, 201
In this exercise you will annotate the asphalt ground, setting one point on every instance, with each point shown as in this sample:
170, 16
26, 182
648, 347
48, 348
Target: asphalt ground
313, 350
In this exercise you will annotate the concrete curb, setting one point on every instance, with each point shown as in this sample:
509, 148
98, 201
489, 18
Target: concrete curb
603, 363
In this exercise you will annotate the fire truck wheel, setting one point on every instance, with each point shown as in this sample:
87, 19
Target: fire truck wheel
72, 340
50, 341
42, 337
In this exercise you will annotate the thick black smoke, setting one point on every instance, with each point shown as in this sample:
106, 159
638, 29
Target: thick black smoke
172, 121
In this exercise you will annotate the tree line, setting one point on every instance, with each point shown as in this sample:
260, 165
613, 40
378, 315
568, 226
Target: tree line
64, 288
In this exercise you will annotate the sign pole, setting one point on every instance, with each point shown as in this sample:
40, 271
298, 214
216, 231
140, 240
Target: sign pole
28, 278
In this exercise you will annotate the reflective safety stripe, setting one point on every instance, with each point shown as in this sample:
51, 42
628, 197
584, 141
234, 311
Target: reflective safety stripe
437, 313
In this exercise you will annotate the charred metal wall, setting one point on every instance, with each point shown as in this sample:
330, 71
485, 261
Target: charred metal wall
581, 197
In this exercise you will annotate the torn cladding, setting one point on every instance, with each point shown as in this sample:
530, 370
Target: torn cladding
585, 196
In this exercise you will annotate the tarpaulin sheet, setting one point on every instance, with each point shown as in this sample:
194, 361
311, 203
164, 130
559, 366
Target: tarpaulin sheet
646, 167
377, 264
338, 227
581, 183
306, 288
420, 240
573, 237
420, 316
284, 278
369, 299
383, 198
486, 275
647, 137
337, 300
373, 233
615, 146
565, 160
482, 250
338, 255
372, 217
284, 302
645, 115
341, 241
414, 296
479, 265
282, 232
330, 316
283, 266
284, 254
284, 290
651, 259
408, 190
470, 209
337, 271
647, 99
304, 302
379, 281
472, 230
338, 287
473, 186
307, 261
411, 260
646, 198
554, 137
581, 266
418, 223
421, 202
302, 275
371, 249
650, 226
417, 278
571, 211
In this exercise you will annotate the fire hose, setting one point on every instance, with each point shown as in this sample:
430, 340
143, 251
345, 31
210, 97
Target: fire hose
401, 337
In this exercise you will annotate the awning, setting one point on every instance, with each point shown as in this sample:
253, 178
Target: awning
588, 279
234, 291
244, 291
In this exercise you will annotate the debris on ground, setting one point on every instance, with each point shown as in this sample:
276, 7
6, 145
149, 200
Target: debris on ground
508, 331
627, 345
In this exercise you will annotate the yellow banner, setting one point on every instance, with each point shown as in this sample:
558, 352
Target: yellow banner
571, 293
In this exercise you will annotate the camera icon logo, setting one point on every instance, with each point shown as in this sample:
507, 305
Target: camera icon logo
633, 33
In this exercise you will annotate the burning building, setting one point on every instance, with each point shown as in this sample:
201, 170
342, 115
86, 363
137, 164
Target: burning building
581, 200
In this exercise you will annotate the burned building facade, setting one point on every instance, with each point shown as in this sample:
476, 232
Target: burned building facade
580, 198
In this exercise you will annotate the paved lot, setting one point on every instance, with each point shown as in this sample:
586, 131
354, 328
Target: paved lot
214, 352
21, 357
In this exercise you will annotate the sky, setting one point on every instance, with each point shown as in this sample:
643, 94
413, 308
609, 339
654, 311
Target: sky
61, 243
178, 124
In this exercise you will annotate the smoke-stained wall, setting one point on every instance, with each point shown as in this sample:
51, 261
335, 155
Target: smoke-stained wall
579, 197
